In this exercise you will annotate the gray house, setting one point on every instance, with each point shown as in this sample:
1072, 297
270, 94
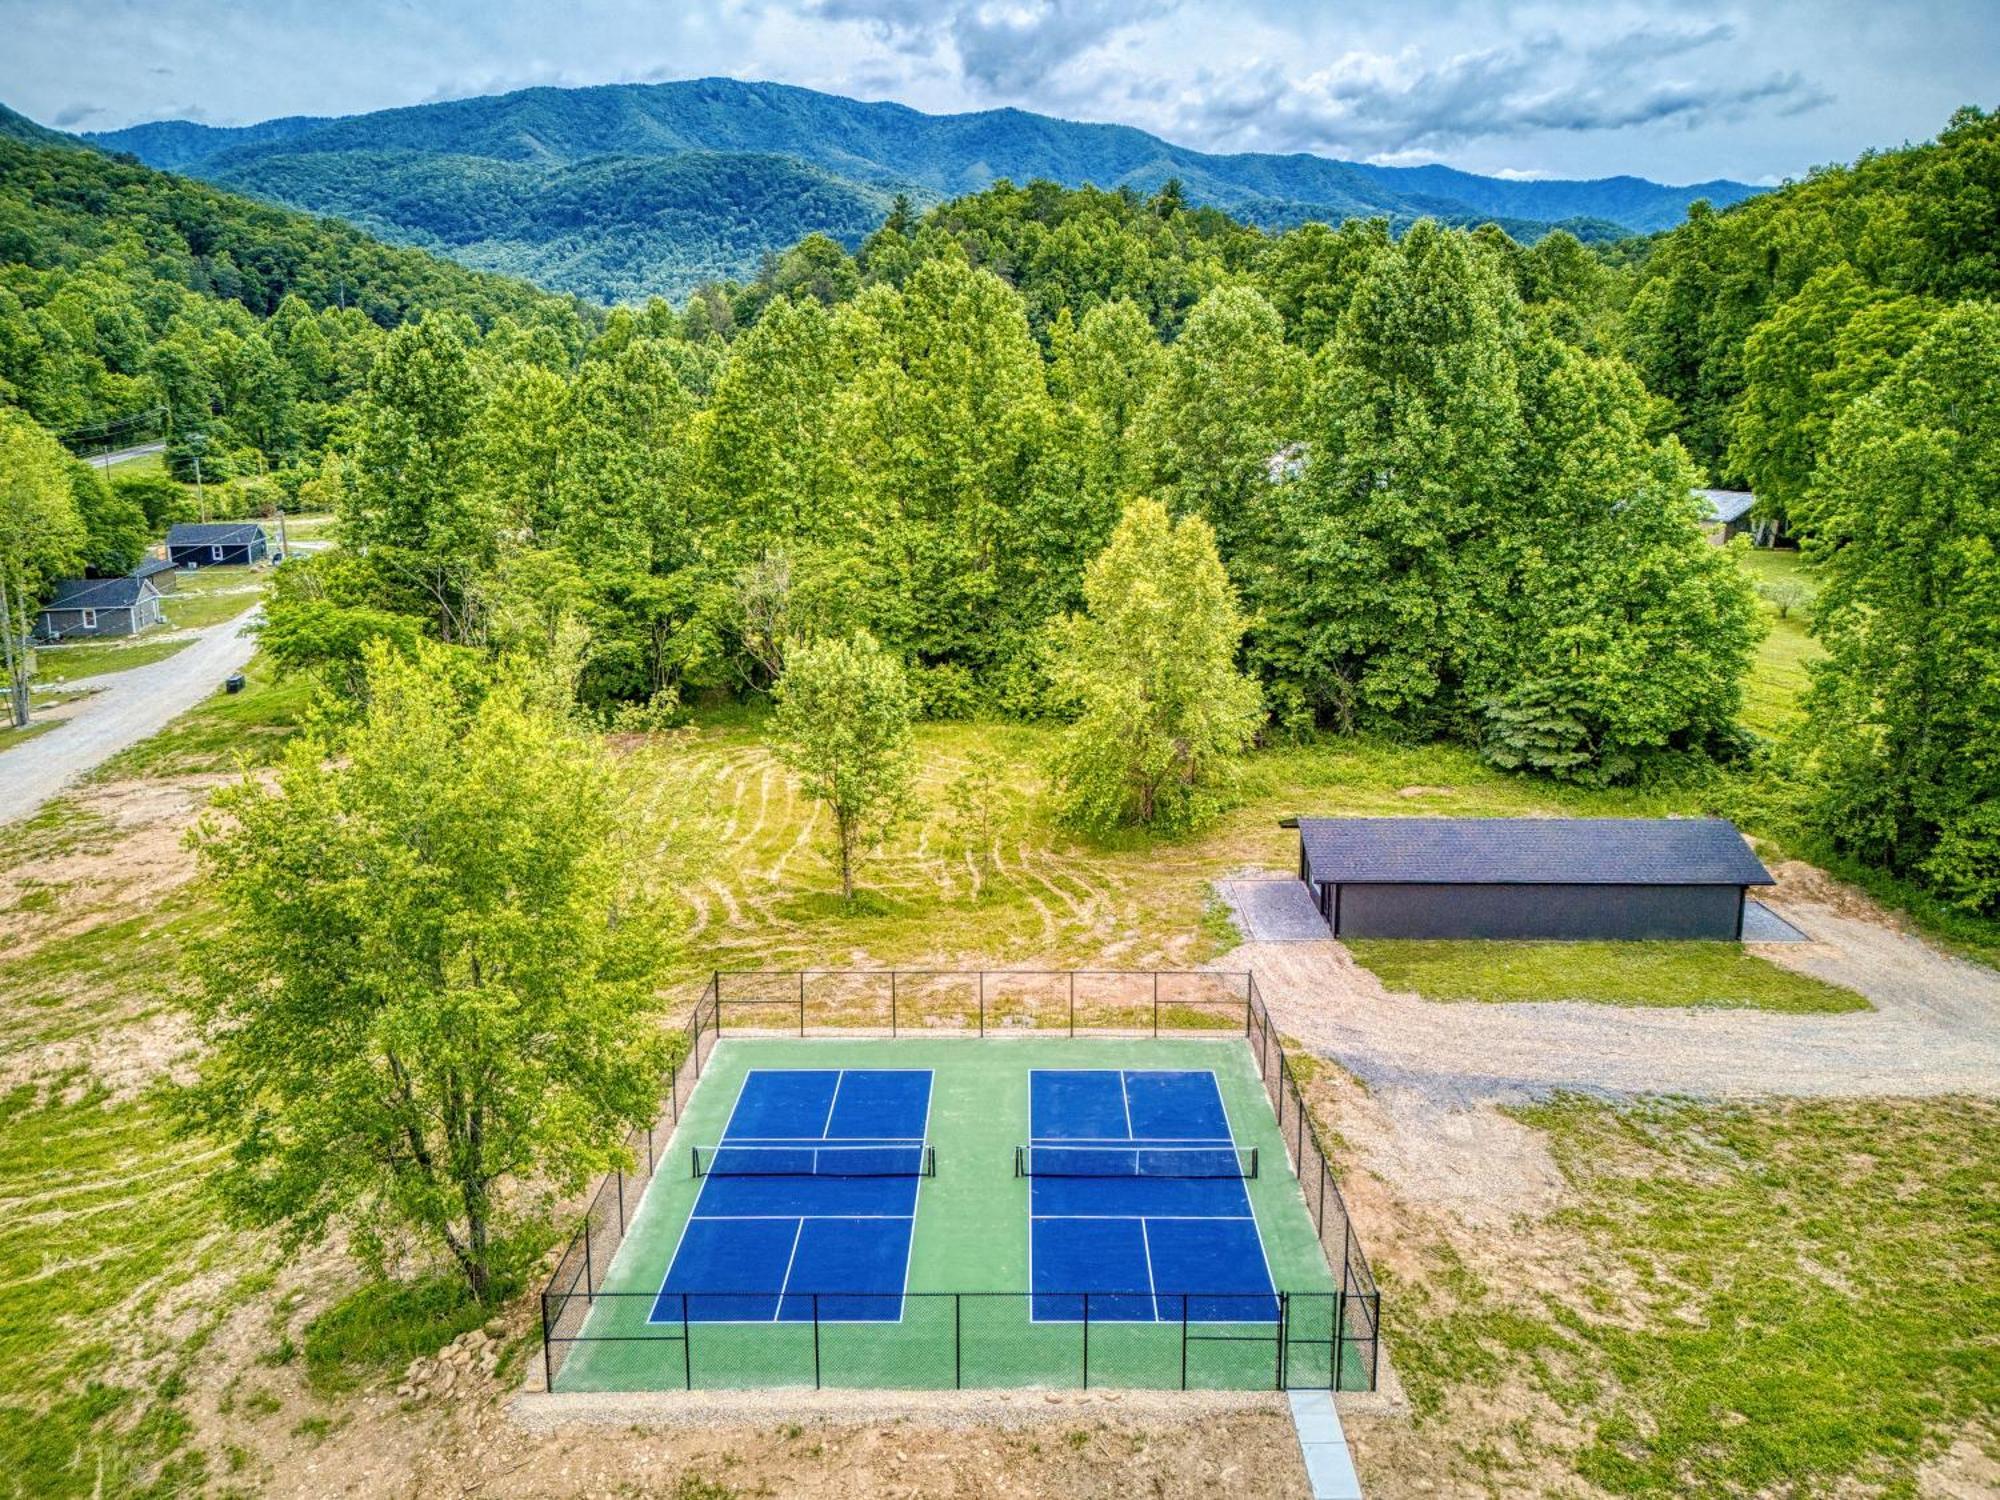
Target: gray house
99, 606
1529, 877
159, 572
1728, 513
210, 544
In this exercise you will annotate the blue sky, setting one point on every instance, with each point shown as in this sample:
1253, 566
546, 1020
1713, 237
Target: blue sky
1676, 90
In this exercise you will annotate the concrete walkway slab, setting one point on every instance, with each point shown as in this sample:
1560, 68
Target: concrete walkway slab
1762, 925
1279, 909
1329, 1466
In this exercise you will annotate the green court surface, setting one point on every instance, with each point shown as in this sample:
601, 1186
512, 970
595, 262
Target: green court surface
966, 1319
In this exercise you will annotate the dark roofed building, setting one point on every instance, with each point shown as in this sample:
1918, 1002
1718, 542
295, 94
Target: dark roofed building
1529, 877
159, 572
218, 543
99, 606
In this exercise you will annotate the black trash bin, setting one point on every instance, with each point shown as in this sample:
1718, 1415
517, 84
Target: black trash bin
233, 683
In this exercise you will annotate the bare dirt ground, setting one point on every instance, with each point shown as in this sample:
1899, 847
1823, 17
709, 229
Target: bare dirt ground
1428, 1159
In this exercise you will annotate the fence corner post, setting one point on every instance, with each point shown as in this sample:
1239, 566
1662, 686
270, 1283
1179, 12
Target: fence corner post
548, 1351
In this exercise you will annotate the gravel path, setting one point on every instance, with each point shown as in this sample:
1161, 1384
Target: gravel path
1935, 1028
125, 707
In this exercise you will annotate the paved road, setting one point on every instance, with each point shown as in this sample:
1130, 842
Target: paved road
126, 708
123, 455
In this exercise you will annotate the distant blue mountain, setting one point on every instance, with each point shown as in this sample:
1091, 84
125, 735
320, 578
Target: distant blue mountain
578, 187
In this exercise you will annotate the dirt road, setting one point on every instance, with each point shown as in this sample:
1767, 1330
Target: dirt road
125, 708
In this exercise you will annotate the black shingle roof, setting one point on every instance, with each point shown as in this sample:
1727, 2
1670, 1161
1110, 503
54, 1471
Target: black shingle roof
1516, 851
212, 533
148, 566
97, 593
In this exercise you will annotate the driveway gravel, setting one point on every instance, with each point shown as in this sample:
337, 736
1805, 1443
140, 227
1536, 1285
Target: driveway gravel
124, 708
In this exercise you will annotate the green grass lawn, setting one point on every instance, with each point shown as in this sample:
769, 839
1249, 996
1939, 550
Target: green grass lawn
94, 658
209, 596
1778, 674
222, 731
1793, 1298
1664, 973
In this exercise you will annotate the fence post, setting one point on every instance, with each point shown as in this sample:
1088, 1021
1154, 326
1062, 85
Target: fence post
1249, 991
982, 1002
802, 1002
687, 1347
1086, 1341
1156, 1004
892, 1002
957, 1341
621, 1203
673, 1097
589, 1291
1284, 1306
815, 1297
548, 1353
1072, 1002
1184, 1337
1339, 1327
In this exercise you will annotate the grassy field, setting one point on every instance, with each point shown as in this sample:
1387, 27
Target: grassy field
1773, 1299
1778, 674
1699, 974
209, 596
73, 663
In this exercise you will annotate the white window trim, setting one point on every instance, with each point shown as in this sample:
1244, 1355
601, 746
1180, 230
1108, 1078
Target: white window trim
215, 553
89, 620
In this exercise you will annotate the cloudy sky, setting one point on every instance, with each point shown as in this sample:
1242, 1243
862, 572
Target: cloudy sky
1676, 90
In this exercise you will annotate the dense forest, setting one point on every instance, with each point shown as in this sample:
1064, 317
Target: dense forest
1447, 476
632, 190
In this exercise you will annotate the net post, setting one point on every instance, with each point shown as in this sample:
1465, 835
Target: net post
548, 1352
957, 1341
815, 1297
1086, 1341
687, 1347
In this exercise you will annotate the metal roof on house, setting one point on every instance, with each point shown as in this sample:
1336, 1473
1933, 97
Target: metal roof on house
1725, 506
213, 533
1520, 851
99, 593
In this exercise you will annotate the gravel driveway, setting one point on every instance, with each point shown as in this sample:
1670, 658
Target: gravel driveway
1935, 1028
125, 708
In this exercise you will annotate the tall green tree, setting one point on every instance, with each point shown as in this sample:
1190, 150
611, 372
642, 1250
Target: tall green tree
843, 725
1149, 671
1898, 751
429, 1001
42, 538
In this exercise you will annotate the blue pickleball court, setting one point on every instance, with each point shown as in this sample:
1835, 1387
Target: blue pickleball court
1137, 1197
809, 1198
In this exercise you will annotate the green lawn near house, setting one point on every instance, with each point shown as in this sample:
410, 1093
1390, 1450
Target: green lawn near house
208, 596
1658, 973
93, 658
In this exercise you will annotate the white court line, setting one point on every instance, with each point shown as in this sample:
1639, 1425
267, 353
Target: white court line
1152, 1286
833, 1099
1126, 1094
797, 1235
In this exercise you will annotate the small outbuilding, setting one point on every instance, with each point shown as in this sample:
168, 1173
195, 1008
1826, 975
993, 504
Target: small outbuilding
99, 606
1728, 513
1529, 878
211, 544
159, 572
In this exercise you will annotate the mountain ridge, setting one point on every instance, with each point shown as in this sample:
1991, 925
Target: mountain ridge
861, 151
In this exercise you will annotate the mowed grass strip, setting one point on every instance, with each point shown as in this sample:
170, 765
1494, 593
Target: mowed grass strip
1774, 1299
1662, 973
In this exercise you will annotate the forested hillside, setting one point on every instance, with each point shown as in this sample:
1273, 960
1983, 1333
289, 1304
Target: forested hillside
1447, 476
628, 190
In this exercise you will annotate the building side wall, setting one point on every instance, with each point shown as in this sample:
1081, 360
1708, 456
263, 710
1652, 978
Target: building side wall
1537, 911
68, 623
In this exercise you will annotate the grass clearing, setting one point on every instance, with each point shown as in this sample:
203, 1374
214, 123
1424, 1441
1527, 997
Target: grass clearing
1610, 973
222, 732
1779, 671
94, 658
208, 596
1792, 1298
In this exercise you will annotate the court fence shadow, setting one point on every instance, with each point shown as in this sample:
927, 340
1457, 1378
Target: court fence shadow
1326, 1340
